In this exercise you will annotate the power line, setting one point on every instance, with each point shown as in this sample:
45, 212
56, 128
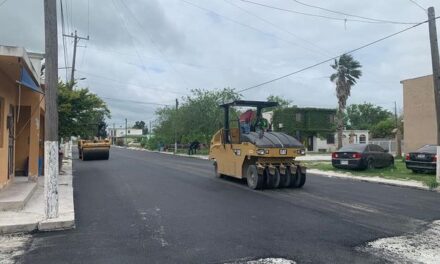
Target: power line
279, 28
68, 24
350, 15
333, 58
63, 30
132, 101
71, 15
124, 22
417, 4
237, 22
112, 51
130, 84
322, 16
88, 17
154, 43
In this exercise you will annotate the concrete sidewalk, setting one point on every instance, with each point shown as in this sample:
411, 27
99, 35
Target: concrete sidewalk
31, 217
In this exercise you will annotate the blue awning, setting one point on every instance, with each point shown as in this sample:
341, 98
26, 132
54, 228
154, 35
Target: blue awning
26, 80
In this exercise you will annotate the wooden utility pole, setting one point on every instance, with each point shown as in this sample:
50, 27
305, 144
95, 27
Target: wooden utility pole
113, 134
436, 77
126, 133
51, 114
72, 74
76, 39
175, 127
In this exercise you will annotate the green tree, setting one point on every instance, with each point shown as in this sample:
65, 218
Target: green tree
365, 116
198, 117
347, 72
81, 113
141, 125
282, 103
384, 129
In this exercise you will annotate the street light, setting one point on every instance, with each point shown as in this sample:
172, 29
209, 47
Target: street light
80, 79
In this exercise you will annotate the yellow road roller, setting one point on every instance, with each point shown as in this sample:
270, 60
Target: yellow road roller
251, 151
94, 149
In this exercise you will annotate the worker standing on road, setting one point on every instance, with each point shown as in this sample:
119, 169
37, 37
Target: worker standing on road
193, 147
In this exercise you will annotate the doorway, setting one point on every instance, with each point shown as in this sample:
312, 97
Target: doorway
11, 141
310, 143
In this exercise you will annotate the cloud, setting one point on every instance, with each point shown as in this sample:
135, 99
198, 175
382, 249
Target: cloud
156, 51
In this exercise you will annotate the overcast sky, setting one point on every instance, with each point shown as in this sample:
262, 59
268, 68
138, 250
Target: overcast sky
156, 51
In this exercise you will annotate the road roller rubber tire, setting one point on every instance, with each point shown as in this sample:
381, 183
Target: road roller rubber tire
272, 180
254, 180
95, 154
286, 179
293, 178
268, 180
302, 181
300, 178
216, 173
276, 179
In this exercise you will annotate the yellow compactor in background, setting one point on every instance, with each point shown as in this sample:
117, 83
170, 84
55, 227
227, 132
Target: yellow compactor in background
265, 159
94, 149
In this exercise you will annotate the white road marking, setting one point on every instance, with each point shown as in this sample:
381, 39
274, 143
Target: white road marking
423, 247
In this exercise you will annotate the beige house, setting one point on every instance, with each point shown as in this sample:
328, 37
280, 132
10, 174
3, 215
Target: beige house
21, 114
420, 126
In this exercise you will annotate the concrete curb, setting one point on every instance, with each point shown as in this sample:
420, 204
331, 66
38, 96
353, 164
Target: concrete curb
18, 228
371, 179
60, 223
374, 179
31, 218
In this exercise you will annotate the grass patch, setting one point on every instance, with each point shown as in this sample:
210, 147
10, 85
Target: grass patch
398, 172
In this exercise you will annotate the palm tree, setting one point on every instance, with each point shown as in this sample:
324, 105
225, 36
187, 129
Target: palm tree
347, 72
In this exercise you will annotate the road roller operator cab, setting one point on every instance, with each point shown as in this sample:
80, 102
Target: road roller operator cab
94, 149
250, 150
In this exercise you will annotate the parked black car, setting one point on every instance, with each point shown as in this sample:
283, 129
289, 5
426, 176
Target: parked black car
422, 160
362, 156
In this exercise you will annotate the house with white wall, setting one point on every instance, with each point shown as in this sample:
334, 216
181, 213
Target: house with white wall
120, 132
330, 143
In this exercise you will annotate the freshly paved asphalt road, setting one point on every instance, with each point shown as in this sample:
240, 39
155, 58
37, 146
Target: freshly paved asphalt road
142, 207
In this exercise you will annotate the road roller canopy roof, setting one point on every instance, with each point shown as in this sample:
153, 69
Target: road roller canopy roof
258, 104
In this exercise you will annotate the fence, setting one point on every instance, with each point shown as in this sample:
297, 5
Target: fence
388, 144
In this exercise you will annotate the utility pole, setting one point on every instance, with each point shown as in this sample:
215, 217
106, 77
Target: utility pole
175, 127
113, 134
398, 134
76, 39
51, 114
149, 130
126, 132
436, 77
